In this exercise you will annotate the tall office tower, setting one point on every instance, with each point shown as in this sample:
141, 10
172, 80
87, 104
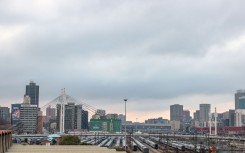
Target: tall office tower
186, 116
58, 109
176, 112
242, 102
32, 90
78, 117
238, 94
50, 113
69, 116
73, 117
204, 114
196, 115
29, 118
5, 114
231, 117
85, 120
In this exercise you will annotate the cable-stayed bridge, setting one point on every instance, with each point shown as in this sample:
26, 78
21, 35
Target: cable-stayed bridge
63, 100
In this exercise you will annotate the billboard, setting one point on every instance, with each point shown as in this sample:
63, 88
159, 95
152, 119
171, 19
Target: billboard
15, 113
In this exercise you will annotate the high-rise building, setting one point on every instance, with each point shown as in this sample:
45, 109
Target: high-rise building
5, 113
186, 116
50, 113
239, 117
29, 118
85, 120
73, 117
242, 102
176, 112
78, 117
69, 117
231, 117
196, 115
204, 114
238, 94
32, 90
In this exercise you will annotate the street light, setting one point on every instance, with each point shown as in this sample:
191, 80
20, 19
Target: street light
125, 125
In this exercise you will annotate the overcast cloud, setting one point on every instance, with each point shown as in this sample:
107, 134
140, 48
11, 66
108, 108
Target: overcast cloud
155, 53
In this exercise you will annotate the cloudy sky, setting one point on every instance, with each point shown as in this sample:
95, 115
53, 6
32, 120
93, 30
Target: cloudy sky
155, 53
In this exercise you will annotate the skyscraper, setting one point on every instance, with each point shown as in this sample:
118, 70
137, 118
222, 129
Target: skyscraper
176, 112
242, 102
73, 117
29, 118
50, 113
204, 113
238, 94
85, 120
186, 116
32, 90
4, 113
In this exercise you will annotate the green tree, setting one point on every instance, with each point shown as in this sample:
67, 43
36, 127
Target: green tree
70, 140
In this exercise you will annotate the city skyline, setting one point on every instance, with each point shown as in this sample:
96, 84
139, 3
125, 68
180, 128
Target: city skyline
154, 53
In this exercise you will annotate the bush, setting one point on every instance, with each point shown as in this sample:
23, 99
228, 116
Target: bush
70, 140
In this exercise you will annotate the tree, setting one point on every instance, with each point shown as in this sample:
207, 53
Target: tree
70, 140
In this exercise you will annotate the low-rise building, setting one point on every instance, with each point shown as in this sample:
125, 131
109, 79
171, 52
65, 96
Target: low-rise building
105, 125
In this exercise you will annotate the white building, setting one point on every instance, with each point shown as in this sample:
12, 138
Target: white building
239, 117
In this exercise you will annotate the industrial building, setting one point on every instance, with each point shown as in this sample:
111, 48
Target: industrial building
105, 125
146, 128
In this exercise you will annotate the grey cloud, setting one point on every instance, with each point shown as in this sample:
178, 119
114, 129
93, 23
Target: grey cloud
109, 50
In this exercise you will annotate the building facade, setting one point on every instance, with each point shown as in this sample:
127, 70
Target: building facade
29, 118
231, 117
158, 120
238, 94
32, 90
146, 128
186, 116
204, 114
85, 120
5, 113
50, 113
176, 112
74, 119
239, 117
242, 102
105, 125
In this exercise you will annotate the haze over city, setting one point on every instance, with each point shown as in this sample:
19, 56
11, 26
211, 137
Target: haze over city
154, 53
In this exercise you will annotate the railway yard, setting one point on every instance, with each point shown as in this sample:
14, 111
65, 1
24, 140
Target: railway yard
162, 143
158, 144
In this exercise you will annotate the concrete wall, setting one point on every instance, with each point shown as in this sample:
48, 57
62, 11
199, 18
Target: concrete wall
5, 140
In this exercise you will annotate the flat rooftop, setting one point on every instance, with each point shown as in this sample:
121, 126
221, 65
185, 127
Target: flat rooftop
18, 148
